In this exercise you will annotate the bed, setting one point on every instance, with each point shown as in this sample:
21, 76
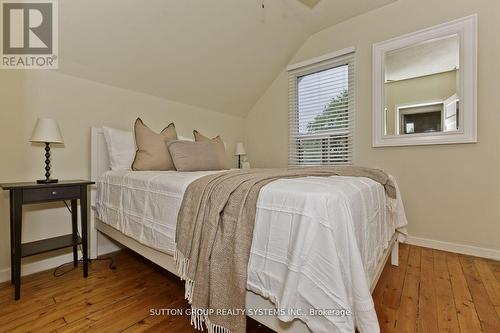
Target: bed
138, 210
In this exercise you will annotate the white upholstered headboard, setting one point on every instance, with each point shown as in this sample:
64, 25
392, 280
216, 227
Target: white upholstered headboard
99, 154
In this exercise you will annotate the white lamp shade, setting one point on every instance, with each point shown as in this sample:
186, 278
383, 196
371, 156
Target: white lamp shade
240, 149
47, 130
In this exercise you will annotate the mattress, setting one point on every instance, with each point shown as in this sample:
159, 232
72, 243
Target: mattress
317, 240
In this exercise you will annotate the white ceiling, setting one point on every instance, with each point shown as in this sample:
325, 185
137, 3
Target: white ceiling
219, 54
430, 57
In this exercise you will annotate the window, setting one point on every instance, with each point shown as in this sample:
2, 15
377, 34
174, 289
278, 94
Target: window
321, 111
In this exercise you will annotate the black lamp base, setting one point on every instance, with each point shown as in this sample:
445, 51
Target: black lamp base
47, 181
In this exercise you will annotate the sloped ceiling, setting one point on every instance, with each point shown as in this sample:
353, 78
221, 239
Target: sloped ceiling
220, 54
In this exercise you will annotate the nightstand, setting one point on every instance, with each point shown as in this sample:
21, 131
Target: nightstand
30, 193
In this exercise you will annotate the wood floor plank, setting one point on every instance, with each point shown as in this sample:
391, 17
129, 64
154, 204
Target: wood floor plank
33, 299
381, 286
466, 311
490, 275
169, 321
392, 296
76, 327
484, 308
50, 327
40, 319
446, 309
386, 314
427, 302
407, 313
387, 318
59, 309
98, 281
48, 285
132, 313
12, 310
489, 281
101, 301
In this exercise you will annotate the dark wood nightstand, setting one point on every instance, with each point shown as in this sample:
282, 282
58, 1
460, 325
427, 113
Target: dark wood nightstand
30, 193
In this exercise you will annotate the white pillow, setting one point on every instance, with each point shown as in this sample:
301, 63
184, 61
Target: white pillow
183, 138
121, 148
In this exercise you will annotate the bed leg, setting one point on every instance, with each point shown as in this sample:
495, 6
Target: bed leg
92, 230
395, 253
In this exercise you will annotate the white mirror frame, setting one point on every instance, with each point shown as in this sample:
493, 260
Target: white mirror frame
466, 29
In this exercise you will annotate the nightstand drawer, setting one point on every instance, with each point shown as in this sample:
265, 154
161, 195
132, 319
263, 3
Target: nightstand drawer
49, 194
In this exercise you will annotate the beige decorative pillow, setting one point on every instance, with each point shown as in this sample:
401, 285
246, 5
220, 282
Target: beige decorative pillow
195, 156
217, 142
152, 151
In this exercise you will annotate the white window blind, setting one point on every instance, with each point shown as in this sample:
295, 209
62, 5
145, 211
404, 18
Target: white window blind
321, 112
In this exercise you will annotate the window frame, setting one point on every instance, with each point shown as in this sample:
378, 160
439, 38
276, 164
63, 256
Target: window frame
345, 57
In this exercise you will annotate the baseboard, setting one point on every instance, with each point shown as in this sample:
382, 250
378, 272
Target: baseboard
454, 247
39, 266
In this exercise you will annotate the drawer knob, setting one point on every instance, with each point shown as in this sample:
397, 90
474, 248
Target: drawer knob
54, 192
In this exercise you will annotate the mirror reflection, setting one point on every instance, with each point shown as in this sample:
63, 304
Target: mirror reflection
422, 88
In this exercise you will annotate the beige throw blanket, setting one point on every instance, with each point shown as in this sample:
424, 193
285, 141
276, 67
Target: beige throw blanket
214, 236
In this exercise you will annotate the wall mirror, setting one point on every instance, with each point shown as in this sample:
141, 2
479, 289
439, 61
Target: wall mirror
424, 86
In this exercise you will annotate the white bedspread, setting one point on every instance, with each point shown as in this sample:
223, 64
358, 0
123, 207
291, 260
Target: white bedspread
317, 241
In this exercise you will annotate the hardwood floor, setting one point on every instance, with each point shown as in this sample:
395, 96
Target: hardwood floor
437, 291
107, 301
431, 291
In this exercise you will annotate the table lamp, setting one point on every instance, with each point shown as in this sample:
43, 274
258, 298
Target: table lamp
239, 151
47, 131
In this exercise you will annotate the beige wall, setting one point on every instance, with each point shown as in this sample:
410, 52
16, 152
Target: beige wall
430, 88
451, 192
78, 105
